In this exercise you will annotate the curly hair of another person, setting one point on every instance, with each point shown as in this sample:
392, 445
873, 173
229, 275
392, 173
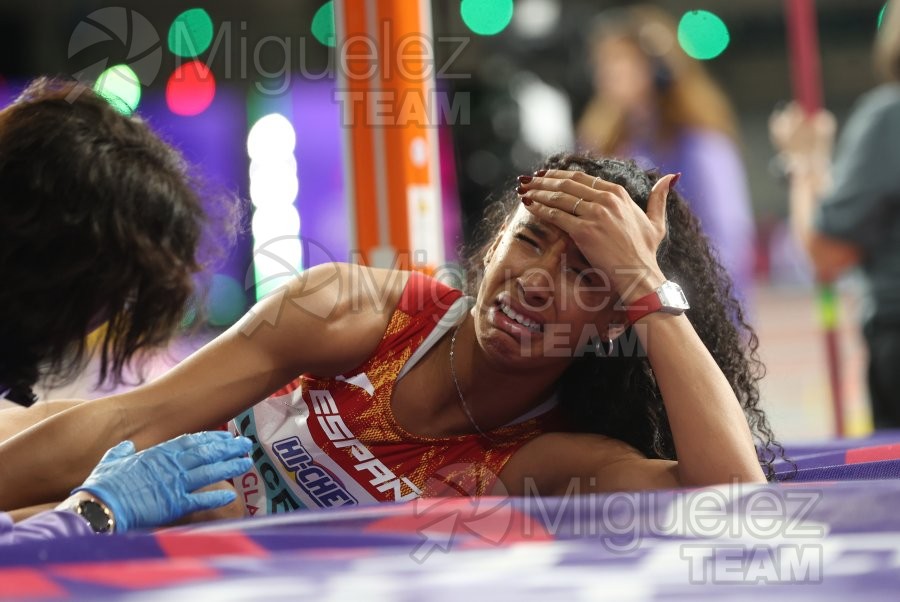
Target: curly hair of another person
102, 222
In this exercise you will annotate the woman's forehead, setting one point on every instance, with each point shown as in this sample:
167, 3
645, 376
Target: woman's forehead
527, 220
547, 232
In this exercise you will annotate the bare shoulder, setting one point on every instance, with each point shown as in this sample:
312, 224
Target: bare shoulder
329, 319
335, 291
555, 463
362, 293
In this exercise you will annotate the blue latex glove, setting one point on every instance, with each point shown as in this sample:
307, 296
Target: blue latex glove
155, 487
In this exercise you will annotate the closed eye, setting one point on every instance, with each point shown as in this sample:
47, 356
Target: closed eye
528, 241
585, 273
588, 277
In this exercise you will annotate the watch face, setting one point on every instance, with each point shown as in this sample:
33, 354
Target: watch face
95, 515
672, 297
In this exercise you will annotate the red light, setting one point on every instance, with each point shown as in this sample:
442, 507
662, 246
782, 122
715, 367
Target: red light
191, 89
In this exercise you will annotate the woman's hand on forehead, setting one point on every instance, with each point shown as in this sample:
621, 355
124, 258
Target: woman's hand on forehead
612, 232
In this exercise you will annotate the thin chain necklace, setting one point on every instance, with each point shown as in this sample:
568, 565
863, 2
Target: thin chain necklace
462, 400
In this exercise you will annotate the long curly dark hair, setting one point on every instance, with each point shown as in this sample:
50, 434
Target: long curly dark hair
617, 395
100, 221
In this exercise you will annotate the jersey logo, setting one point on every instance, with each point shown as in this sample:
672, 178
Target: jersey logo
325, 489
379, 475
277, 492
360, 380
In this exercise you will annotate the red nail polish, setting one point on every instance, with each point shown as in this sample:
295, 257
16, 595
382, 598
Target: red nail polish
675, 179
520, 190
524, 179
541, 173
525, 200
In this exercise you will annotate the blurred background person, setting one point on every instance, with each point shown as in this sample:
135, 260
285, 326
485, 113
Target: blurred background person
655, 103
847, 213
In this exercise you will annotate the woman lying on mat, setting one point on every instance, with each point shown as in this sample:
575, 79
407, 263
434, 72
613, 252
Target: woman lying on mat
575, 367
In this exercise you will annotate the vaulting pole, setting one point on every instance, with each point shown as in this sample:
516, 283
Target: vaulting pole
806, 78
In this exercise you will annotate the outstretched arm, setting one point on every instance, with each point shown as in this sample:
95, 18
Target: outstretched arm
328, 321
15, 419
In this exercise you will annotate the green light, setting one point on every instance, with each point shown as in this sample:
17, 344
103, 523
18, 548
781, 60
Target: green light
486, 17
120, 86
190, 315
702, 34
881, 14
226, 302
323, 24
191, 33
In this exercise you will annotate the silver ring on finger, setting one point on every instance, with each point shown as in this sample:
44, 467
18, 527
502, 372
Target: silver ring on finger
575, 207
593, 184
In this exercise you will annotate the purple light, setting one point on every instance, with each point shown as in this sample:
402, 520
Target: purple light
323, 213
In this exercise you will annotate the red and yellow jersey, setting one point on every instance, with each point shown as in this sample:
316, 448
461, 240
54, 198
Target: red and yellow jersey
324, 442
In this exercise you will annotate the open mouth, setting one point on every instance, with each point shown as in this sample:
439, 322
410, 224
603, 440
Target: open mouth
513, 315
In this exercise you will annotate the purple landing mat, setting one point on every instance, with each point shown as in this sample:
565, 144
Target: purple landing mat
830, 539
874, 457
812, 447
827, 541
